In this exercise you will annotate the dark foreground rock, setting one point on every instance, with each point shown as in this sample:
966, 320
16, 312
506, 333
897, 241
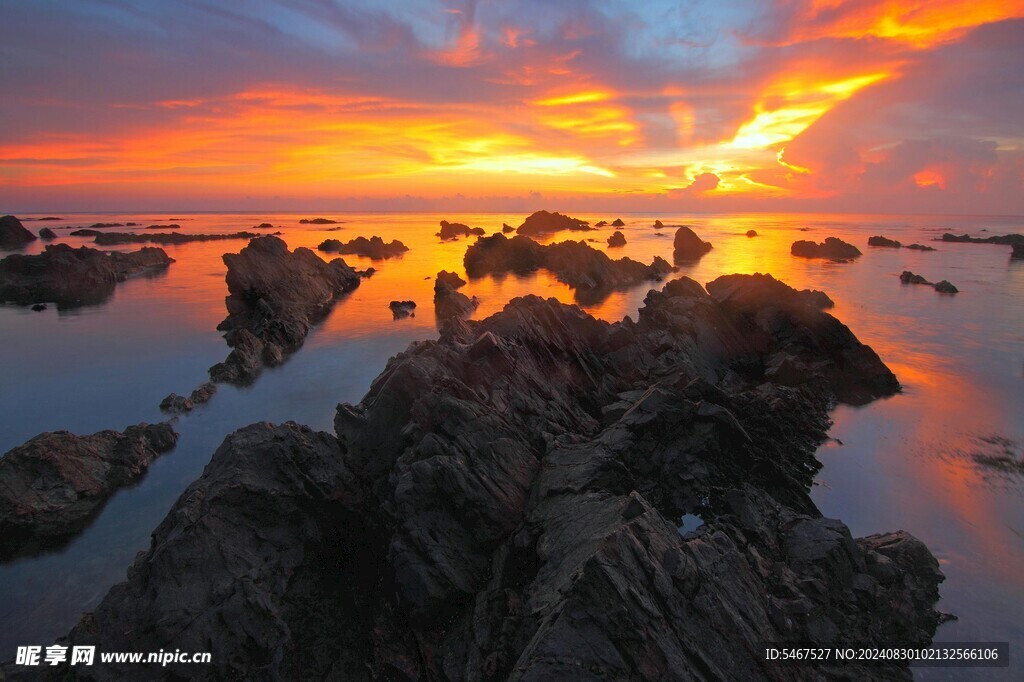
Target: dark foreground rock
831, 249
1018, 251
450, 303
504, 504
687, 246
71, 277
13, 234
456, 230
275, 297
617, 239
52, 485
544, 223
374, 248
164, 238
592, 273
402, 309
46, 234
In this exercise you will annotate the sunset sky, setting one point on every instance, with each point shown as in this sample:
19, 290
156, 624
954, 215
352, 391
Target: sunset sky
717, 105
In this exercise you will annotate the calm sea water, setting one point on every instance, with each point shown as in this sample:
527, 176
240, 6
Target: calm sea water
908, 462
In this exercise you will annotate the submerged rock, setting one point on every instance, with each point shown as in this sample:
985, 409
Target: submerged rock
275, 297
402, 309
374, 248
46, 234
504, 502
920, 247
52, 485
71, 277
687, 246
448, 302
831, 249
543, 223
592, 273
13, 234
165, 238
455, 230
176, 404
617, 239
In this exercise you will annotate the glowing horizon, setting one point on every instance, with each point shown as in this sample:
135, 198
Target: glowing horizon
825, 104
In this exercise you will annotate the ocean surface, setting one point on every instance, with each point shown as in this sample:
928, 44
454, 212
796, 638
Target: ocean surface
921, 461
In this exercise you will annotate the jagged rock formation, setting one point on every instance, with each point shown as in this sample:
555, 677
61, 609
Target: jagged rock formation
52, 485
504, 503
893, 244
506, 228
402, 309
590, 272
70, 277
601, 223
687, 246
374, 248
456, 230
943, 287
275, 297
543, 223
178, 404
450, 303
617, 239
618, 223
13, 234
1010, 239
46, 234
831, 249
165, 238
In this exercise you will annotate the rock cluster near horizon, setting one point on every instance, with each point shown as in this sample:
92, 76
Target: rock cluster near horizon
374, 248
275, 297
592, 273
831, 249
504, 504
52, 485
71, 277
543, 223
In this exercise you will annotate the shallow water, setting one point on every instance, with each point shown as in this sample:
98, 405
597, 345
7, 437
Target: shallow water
909, 462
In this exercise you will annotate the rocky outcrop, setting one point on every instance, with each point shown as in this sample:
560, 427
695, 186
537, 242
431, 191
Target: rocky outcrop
687, 246
402, 309
618, 223
374, 248
885, 242
84, 232
263, 226
943, 287
71, 277
456, 230
601, 223
658, 225
590, 272
544, 223
46, 234
506, 228
318, 221
764, 290
504, 504
164, 238
177, 404
450, 303
172, 226
275, 297
1009, 239
751, 233
617, 239
831, 249
13, 234
52, 485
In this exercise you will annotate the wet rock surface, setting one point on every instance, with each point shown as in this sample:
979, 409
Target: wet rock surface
831, 249
165, 238
450, 303
592, 273
177, 404
543, 223
14, 235
504, 503
52, 485
456, 230
687, 246
71, 277
374, 248
275, 297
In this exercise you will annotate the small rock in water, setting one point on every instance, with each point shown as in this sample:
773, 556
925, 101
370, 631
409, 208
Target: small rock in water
751, 233
402, 309
38, 307
617, 239
946, 287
